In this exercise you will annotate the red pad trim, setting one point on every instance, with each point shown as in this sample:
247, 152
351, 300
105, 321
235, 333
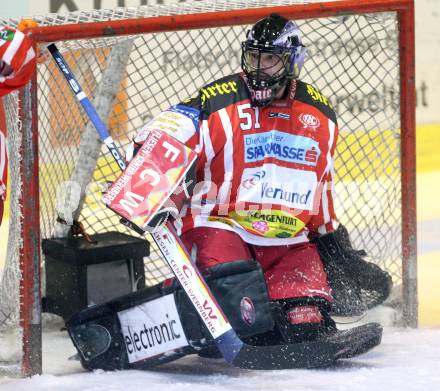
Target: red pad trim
304, 314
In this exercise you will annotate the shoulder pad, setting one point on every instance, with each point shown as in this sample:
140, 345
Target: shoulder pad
308, 94
222, 93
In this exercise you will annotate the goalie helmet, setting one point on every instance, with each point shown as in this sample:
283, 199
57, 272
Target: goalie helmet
271, 55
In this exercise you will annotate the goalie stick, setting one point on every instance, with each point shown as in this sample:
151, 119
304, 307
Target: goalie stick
234, 350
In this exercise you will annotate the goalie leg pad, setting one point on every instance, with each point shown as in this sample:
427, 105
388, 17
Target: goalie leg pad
120, 335
159, 324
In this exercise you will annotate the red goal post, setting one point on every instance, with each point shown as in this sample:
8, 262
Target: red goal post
367, 132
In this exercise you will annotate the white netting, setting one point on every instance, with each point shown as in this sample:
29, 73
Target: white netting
353, 60
10, 333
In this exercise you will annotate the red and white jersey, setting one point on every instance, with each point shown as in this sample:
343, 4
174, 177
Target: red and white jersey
17, 59
265, 173
17, 63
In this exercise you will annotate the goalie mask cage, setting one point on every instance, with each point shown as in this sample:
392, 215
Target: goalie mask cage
360, 56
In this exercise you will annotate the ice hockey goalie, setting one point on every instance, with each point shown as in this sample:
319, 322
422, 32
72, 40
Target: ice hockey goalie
260, 222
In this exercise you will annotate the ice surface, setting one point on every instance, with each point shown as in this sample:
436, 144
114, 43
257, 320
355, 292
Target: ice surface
407, 360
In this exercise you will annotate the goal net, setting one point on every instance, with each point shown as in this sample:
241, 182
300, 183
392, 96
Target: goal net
141, 61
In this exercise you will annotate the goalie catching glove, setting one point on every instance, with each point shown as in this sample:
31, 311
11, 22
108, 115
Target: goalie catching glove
357, 285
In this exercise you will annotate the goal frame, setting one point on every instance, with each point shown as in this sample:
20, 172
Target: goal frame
30, 305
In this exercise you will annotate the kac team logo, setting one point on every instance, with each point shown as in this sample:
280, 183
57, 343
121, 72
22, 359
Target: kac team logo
309, 121
247, 310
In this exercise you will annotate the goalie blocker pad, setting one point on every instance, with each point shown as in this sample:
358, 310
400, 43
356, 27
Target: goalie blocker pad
155, 183
159, 324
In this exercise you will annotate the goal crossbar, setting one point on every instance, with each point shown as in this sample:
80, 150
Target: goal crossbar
405, 8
